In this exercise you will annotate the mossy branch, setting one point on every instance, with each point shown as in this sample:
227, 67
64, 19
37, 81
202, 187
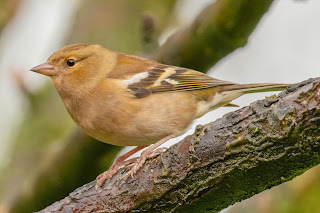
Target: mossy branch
243, 153
222, 27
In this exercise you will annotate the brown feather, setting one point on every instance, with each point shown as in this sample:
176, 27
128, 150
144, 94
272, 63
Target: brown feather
164, 78
129, 65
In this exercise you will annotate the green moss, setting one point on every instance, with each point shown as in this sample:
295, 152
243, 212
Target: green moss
271, 96
238, 178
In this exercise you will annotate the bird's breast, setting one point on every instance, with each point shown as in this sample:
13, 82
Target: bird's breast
120, 119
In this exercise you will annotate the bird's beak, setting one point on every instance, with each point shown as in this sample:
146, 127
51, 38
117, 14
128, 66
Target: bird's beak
45, 69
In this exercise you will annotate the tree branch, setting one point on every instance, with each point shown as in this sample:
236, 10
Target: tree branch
243, 153
221, 28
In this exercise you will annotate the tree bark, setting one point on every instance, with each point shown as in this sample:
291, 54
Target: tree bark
243, 153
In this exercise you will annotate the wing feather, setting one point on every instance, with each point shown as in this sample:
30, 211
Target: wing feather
165, 78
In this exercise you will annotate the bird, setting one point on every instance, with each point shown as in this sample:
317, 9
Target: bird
126, 100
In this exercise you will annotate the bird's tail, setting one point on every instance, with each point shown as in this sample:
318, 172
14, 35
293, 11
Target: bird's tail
254, 88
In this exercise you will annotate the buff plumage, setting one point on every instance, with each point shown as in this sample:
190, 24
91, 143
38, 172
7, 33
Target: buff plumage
125, 100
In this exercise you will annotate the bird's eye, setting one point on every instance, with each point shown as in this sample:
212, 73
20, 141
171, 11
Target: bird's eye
71, 62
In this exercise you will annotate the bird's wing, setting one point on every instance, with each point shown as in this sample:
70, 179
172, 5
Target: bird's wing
156, 78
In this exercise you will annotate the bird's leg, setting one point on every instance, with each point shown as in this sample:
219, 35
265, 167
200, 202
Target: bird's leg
118, 162
150, 152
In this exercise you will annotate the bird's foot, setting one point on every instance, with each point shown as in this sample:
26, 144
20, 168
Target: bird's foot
134, 167
149, 153
133, 164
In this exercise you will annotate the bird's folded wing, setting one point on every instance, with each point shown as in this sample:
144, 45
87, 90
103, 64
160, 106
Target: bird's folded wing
165, 78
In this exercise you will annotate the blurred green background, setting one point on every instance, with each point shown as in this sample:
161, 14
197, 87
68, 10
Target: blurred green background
44, 156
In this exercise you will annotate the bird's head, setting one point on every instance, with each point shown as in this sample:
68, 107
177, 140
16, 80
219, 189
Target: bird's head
77, 66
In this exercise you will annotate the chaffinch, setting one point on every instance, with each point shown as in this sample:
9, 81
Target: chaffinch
127, 100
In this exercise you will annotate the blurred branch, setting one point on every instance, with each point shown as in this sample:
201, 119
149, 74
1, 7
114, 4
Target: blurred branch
8, 9
149, 39
220, 29
245, 152
63, 166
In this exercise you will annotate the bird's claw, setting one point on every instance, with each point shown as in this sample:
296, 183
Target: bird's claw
133, 164
104, 176
144, 156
